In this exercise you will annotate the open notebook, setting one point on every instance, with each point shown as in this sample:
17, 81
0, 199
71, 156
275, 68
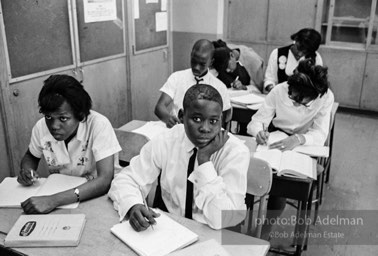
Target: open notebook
46, 230
55, 183
315, 151
248, 99
166, 237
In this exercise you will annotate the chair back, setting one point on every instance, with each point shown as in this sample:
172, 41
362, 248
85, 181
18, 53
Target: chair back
131, 143
259, 177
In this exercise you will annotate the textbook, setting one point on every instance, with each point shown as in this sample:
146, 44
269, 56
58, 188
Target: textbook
46, 230
166, 236
207, 248
315, 151
289, 163
43, 186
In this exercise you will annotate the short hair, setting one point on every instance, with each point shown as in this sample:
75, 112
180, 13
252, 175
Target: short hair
309, 39
202, 92
309, 80
60, 88
202, 45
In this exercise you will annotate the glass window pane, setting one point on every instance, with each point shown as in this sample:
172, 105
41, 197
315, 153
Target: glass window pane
374, 39
351, 21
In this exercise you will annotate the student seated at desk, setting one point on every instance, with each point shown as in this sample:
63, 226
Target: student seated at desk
284, 60
300, 107
74, 140
213, 193
178, 83
228, 69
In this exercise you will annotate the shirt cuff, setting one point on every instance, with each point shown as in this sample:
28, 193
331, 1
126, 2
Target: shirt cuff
203, 174
309, 139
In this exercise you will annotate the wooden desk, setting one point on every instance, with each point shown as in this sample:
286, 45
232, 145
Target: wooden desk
98, 240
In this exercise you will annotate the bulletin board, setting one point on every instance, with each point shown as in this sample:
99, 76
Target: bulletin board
37, 44
146, 37
100, 39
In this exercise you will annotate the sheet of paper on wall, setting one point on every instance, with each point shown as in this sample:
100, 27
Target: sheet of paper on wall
152, 1
135, 4
163, 5
151, 129
100, 10
161, 19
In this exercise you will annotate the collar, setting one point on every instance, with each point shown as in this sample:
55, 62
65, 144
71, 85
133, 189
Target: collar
203, 76
188, 145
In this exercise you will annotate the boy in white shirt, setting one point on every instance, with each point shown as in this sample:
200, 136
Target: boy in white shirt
219, 178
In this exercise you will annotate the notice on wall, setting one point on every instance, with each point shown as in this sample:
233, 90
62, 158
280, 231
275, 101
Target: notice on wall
136, 9
161, 20
99, 10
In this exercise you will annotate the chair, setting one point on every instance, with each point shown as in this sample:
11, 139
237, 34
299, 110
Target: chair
259, 182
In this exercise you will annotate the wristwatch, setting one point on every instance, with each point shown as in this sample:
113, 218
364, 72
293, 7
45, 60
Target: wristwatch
77, 193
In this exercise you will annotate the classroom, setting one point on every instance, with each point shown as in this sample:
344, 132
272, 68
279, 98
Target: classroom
125, 54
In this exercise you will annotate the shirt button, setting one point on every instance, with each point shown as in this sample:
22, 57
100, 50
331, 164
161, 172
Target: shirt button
195, 181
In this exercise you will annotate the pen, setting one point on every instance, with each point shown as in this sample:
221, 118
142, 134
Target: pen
145, 203
265, 130
233, 83
32, 175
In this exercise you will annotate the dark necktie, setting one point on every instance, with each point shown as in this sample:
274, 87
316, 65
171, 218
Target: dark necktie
198, 79
189, 187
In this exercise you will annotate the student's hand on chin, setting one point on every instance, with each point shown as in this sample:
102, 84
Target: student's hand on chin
140, 218
39, 204
217, 143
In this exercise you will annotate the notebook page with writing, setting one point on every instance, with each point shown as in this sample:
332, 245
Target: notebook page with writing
298, 164
19, 192
167, 236
273, 137
59, 182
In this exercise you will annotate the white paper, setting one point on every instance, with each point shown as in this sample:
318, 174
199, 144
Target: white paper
151, 129
19, 192
152, 1
248, 99
99, 10
136, 9
163, 5
161, 20
167, 236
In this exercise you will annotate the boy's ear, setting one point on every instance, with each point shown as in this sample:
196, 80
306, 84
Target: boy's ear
181, 115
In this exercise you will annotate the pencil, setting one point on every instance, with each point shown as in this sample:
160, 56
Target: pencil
145, 203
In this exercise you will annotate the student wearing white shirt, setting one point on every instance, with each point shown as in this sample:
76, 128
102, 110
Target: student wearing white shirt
283, 61
220, 170
300, 107
178, 83
74, 140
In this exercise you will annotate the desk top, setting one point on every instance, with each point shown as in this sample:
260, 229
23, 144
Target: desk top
98, 240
